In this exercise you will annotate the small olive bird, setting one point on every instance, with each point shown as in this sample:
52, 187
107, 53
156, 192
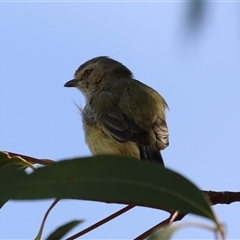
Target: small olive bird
122, 116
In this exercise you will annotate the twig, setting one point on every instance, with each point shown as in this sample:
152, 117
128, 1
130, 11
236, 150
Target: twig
114, 215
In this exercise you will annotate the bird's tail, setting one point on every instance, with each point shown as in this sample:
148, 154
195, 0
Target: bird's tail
151, 154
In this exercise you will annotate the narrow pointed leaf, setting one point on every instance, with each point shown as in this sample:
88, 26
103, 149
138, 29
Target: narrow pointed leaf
10, 164
63, 230
18, 162
166, 233
111, 179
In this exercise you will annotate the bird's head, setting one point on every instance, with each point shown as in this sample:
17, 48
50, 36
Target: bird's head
97, 73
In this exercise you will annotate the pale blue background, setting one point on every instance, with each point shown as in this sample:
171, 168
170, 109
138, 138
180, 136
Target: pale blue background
197, 70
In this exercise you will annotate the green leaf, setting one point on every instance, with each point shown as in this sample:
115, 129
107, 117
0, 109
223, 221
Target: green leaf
166, 233
10, 164
111, 179
3, 201
18, 162
64, 229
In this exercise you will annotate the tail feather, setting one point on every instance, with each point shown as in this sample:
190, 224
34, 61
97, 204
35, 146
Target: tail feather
151, 154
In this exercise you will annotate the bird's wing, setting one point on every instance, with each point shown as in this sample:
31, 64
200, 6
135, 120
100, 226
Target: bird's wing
120, 127
160, 130
123, 129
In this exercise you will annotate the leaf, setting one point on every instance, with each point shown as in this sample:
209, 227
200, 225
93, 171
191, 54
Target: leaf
64, 229
19, 162
111, 179
3, 201
30, 160
11, 164
166, 233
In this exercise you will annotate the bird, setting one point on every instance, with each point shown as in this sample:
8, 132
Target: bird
122, 115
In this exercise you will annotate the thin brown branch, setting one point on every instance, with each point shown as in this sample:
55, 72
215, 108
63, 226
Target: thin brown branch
223, 197
103, 221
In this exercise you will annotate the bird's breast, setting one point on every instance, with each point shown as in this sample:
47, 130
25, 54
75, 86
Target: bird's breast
100, 142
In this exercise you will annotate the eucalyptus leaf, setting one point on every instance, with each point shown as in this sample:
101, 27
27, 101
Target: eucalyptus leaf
111, 179
63, 230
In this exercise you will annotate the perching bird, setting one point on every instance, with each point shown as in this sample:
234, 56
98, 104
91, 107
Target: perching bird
122, 116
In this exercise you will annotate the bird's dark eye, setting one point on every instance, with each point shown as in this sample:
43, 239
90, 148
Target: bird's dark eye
87, 72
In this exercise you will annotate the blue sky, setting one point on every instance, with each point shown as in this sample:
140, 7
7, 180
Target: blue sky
197, 72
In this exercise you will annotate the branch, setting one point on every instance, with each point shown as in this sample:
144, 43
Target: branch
98, 224
224, 197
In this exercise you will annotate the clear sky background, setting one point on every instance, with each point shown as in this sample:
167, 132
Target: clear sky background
195, 67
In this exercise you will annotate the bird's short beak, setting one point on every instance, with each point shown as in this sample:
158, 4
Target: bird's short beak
71, 83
